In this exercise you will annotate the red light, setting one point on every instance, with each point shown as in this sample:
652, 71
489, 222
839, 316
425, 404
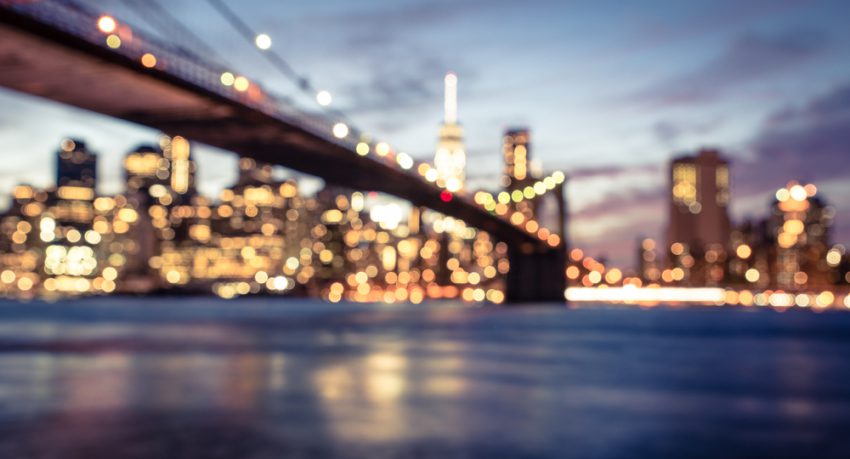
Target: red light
446, 195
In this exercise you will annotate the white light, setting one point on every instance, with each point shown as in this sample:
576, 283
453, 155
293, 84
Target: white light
324, 98
382, 148
453, 184
450, 100
404, 160
106, 24
387, 216
241, 84
798, 193
340, 130
263, 41
632, 294
280, 283
227, 79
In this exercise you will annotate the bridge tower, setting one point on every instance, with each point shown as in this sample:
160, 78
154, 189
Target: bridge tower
537, 272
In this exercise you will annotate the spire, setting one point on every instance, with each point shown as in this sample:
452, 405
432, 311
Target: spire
450, 99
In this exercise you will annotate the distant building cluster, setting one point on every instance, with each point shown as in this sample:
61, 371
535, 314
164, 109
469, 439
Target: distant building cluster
261, 236
789, 250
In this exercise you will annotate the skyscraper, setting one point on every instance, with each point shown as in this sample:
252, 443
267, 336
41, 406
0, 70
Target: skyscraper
801, 222
170, 166
75, 165
450, 159
699, 218
515, 150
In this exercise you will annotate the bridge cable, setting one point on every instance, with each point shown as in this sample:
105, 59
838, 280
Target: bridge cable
302, 83
175, 28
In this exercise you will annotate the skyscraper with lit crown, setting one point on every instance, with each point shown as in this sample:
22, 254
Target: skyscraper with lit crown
450, 159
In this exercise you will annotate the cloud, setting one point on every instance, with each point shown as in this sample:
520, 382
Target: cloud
382, 26
611, 171
394, 88
616, 203
670, 132
810, 143
749, 58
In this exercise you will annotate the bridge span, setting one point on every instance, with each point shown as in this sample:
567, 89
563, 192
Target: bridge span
57, 53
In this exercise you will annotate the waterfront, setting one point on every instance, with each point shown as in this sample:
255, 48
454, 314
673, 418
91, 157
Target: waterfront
199, 377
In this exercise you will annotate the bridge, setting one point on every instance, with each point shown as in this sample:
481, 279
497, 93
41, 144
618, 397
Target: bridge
55, 50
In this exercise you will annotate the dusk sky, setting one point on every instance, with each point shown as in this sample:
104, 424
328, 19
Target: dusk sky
610, 90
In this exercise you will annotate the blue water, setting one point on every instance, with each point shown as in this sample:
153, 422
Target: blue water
261, 378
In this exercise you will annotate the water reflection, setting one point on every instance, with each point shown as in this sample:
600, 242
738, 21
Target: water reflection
343, 387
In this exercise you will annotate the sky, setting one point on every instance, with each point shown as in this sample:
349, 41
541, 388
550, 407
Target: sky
610, 90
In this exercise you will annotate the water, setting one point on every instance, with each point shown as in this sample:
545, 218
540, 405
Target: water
264, 378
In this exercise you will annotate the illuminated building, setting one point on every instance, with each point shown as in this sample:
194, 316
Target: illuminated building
75, 166
168, 165
161, 189
517, 157
61, 241
799, 225
450, 158
248, 243
259, 237
698, 227
750, 252
21, 249
647, 256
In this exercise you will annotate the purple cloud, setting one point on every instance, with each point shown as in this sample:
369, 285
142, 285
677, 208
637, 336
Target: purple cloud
807, 143
669, 132
615, 203
609, 171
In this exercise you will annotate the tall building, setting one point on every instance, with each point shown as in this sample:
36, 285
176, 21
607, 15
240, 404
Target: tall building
515, 151
75, 165
161, 188
647, 265
800, 224
450, 159
699, 219
168, 165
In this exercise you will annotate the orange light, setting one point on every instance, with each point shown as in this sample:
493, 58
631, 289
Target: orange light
149, 60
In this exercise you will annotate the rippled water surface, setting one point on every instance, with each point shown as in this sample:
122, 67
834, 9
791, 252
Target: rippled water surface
264, 378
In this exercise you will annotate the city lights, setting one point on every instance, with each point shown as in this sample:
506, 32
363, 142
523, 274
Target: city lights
240, 83
634, 295
263, 41
227, 79
404, 160
382, 149
262, 235
149, 60
106, 24
324, 98
113, 41
340, 130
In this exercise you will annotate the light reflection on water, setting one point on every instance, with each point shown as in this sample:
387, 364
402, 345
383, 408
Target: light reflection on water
443, 383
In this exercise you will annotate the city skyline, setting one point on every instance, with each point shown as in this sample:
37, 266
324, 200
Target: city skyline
414, 228
785, 104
